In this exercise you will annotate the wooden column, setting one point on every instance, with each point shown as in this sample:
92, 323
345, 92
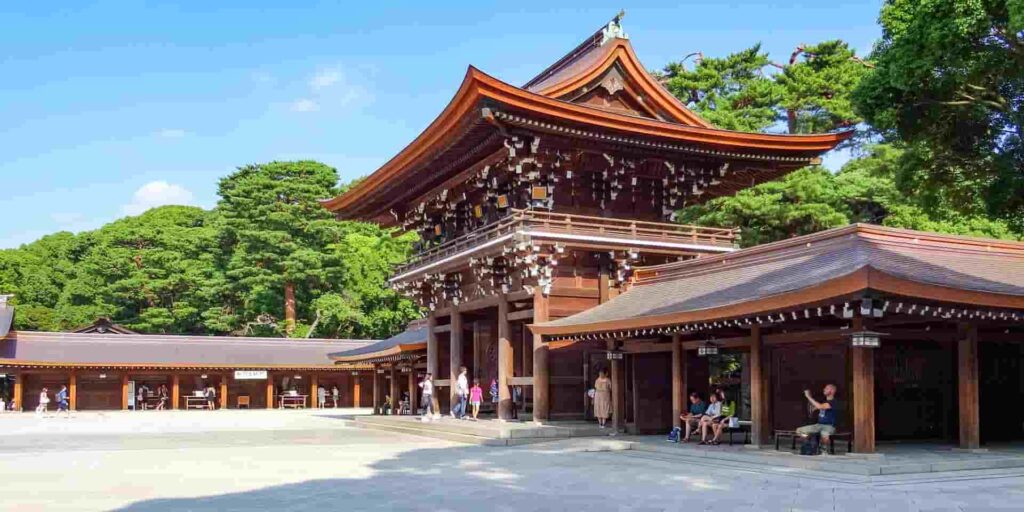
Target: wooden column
175, 390
376, 390
760, 390
414, 398
19, 391
678, 387
618, 392
541, 404
73, 390
432, 353
224, 391
603, 280
355, 391
506, 361
314, 395
124, 392
455, 354
270, 391
967, 386
862, 361
396, 390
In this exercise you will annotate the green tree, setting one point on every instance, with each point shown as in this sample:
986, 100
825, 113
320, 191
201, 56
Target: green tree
949, 85
813, 199
747, 91
277, 232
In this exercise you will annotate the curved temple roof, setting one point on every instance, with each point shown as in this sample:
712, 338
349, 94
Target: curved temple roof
411, 340
808, 269
549, 97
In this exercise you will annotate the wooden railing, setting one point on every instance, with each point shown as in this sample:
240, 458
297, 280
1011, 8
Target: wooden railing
563, 223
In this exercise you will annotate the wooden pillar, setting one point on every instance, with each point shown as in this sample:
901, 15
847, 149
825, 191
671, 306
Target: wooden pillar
863, 360
455, 354
73, 390
224, 391
506, 361
376, 390
618, 392
355, 391
175, 390
19, 391
314, 391
541, 404
432, 352
270, 391
863, 368
678, 388
124, 392
967, 386
760, 390
414, 399
396, 390
603, 280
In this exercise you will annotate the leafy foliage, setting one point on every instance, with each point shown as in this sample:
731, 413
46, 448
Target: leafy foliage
949, 85
812, 199
178, 269
747, 91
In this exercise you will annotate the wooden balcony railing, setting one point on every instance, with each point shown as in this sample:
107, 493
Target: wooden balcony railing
563, 223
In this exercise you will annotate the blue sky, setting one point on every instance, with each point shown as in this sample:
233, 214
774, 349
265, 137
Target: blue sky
107, 108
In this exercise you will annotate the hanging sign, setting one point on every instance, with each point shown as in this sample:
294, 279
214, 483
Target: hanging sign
250, 374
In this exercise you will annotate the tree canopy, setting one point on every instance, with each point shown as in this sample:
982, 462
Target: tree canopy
180, 269
948, 84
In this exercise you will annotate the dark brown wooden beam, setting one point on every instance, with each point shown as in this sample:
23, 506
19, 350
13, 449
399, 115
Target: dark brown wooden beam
862, 361
506, 360
541, 406
677, 380
526, 314
760, 389
967, 386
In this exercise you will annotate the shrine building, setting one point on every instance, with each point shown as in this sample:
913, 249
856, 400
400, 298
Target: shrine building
537, 202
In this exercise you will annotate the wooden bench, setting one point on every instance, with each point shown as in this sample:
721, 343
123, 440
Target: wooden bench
744, 428
793, 435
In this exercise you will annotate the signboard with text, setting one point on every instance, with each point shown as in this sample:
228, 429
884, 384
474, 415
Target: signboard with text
250, 374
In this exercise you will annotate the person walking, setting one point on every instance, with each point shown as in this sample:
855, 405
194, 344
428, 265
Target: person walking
602, 398
334, 396
476, 396
427, 385
211, 398
321, 397
44, 401
162, 395
461, 395
62, 401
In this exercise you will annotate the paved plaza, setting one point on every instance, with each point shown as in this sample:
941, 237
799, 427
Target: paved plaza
308, 460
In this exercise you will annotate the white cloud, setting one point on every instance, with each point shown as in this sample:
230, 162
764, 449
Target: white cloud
304, 105
66, 218
157, 193
171, 133
325, 78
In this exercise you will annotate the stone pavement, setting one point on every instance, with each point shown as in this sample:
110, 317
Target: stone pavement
309, 462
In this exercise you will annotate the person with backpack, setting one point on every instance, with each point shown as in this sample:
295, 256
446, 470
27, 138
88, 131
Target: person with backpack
211, 398
321, 397
62, 401
827, 412
334, 396
461, 395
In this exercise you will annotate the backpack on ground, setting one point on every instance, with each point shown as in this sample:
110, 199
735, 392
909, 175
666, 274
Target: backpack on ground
811, 445
673, 435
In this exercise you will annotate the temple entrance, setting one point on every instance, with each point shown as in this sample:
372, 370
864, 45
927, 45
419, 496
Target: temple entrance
1001, 384
648, 393
915, 391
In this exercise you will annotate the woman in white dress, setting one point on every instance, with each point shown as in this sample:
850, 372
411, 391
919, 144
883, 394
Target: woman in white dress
44, 401
602, 398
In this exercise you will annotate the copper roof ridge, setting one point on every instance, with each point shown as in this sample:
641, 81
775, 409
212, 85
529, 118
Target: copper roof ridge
862, 231
588, 44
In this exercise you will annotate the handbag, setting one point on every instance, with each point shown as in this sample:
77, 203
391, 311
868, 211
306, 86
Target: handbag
734, 422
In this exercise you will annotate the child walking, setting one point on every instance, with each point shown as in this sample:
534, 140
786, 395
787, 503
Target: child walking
476, 395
